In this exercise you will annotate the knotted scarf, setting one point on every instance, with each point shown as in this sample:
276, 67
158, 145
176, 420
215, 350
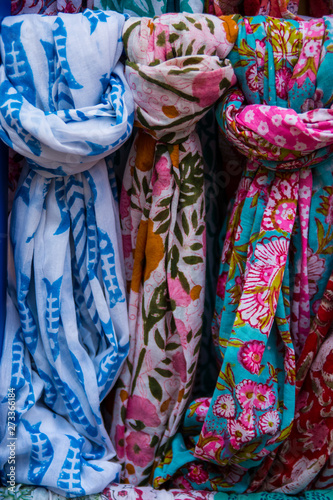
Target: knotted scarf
176, 71
277, 252
64, 105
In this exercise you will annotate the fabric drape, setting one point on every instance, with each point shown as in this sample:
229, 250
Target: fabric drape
64, 105
276, 259
176, 71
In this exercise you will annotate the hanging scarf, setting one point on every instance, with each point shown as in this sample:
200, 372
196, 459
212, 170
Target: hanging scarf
276, 258
176, 71
150, 8
64, 105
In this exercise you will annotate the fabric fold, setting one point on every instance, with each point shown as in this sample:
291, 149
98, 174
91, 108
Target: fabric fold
65, 105
177, 70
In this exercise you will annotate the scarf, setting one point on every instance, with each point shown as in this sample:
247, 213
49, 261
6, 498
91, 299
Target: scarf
64, 105
176, 71
276, 258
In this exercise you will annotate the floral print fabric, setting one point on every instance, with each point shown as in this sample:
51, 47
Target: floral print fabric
150, 8
277, 252
49, 7
176, 70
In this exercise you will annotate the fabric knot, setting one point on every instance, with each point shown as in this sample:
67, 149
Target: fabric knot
175, 78
279, 117
61, 121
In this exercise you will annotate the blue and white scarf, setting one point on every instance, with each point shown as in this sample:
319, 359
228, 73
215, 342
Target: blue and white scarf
65, 106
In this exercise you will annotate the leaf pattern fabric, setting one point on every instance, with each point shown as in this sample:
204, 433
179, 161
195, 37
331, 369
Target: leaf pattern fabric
277, 255
176, 71
64, 106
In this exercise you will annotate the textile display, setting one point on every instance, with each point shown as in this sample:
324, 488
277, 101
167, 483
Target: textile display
64, 105
176, 71
277, 255
130, 492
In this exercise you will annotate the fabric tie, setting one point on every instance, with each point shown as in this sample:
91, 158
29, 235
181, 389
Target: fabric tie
176, 70
64, 105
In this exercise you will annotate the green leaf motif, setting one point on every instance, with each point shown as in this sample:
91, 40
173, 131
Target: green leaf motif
181, 26
164, 373
192, 260
155, 388
159, 340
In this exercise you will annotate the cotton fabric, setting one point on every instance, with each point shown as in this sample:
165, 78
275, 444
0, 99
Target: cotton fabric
176, 71
276, 258
64, 105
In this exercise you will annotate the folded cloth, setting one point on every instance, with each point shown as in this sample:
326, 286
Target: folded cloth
64, 105
150, 8
176, 70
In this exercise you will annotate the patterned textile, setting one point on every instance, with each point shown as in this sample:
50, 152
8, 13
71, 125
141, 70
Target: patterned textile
310, 444
277, 255
64, 106
176, 71
49, 7
130, 492
150, 8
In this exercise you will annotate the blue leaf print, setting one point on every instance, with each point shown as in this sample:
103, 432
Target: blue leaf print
41, 452
77, 368
69, 477
18, 69
94, 18
60, 39
28, 323
50, 56
52, 314
60, 198
109, 269
50, 395
73, 405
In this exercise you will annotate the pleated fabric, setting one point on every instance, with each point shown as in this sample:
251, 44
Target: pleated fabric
277, 255
64, 105
176, 71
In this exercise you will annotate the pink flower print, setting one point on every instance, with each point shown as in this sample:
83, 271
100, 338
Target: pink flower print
310, 48
269, 422
262, 284
120, 441
161, 176
276, 120
142, 409
179, 365
202, 409
315, 103
138, 449
263, 128
316, 268
221, 283
260, 51
224, 406
239, 434
177, 292
246, 419
125, 203
252, 78
250, 355
265, 397
127, 245
317, 436
197, 474
282, 77
289, 366
210, 445
206, 86
246, 393
181, 483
